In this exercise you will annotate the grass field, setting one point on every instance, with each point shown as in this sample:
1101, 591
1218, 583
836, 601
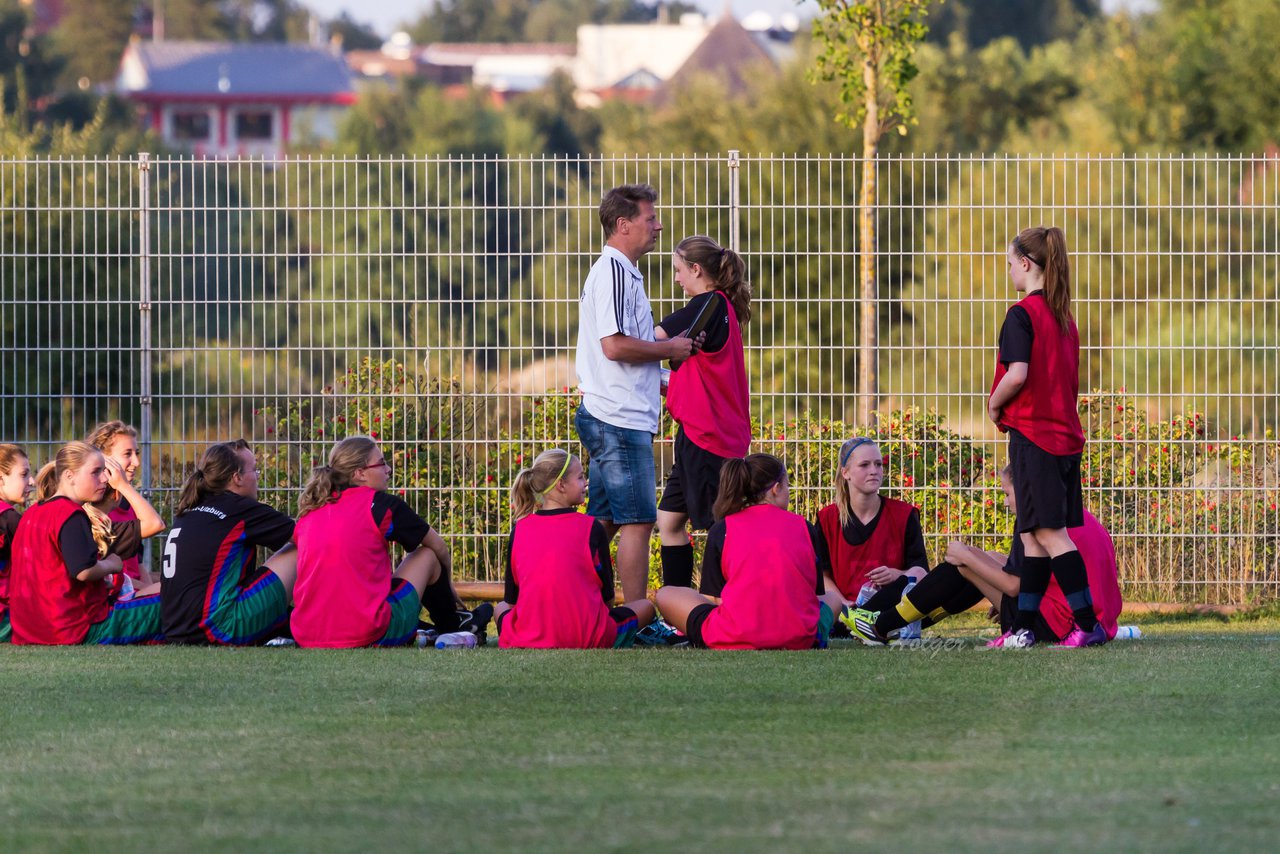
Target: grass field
1167, 743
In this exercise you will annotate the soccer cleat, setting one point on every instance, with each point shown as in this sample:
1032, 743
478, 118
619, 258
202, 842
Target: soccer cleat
476, 621
1078, 637
659, 633
862, 625
1019, 639
998, 642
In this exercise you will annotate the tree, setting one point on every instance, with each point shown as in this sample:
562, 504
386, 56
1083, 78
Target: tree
868, 49
92, 36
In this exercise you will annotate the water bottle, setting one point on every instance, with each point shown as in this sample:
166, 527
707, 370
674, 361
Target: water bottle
456, 640
1128, 633
126, 588
911, 631
868, 590
424, 638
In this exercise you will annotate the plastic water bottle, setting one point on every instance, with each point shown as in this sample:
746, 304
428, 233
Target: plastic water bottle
911, 631
1128, 633
868, 590
424, 638
126, 588
456, 640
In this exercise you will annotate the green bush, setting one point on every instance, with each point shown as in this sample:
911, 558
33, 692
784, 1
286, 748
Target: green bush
1194, 516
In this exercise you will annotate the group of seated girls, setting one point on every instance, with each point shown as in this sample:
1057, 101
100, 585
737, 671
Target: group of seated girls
769, 580
69, 572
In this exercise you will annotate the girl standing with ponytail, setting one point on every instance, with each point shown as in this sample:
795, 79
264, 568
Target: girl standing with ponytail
212, 588
16, 484
707, 396
761, 586
1033, 399
57, 586
347, 594
559, 579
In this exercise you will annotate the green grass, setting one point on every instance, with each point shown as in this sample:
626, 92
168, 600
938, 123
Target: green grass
1169, 743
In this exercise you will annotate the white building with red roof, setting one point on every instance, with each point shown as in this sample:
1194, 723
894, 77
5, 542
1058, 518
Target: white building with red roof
219, 99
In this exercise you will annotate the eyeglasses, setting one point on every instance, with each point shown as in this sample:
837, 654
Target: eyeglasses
379, 464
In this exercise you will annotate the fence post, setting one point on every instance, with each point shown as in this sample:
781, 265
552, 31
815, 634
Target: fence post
144, 337
735, 209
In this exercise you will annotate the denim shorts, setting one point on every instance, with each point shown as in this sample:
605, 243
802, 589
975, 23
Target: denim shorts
622, 483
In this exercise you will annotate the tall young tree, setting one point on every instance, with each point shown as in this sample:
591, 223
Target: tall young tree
868, 49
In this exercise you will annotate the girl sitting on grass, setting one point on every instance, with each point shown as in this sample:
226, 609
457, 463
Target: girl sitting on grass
56, 594
867, 537
16, 484
120, 533
761, 587
559, 578
347, 594
119, 444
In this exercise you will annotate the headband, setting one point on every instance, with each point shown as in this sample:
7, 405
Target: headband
855, 444
564, 469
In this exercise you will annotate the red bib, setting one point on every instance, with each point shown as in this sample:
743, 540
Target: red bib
885, 547
46, 605
708, 396
560, 605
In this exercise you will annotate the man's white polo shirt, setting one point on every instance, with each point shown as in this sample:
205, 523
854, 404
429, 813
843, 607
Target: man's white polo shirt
623, 394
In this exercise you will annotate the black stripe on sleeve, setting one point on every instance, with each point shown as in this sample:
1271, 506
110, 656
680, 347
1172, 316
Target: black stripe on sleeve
619, 293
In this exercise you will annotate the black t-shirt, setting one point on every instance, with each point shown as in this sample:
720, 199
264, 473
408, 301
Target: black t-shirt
126, 539
8, 525
712, 582
404, 525
855, 534
75, 540
1017, 335
599, 551
717, 330
213, 544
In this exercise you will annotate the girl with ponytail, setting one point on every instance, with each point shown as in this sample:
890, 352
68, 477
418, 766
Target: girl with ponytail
1033, 400
866, 537
761, 585
707, 396
347, 593
559, 579
16, 485
57, 589
213, 590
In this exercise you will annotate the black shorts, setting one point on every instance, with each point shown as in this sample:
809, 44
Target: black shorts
692, 485
1046, 487
693, 625
1009, 612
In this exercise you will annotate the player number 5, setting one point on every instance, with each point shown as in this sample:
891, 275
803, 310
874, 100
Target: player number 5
171, 552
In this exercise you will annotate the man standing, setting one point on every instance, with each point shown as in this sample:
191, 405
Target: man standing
620, 378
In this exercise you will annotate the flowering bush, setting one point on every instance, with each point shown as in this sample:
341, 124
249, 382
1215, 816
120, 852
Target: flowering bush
1194, 515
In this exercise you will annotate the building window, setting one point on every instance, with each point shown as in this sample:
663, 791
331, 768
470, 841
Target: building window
254, 125
190, 126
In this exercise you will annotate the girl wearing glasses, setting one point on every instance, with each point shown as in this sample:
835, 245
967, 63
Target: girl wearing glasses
347, 593
1033, 400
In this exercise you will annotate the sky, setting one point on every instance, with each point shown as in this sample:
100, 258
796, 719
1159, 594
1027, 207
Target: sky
385, 15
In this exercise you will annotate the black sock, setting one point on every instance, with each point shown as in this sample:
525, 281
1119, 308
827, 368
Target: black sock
677, 566
1033, 582
440, 604
939, 594
1073, 578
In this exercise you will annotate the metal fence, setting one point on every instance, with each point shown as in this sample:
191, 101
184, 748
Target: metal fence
433, 302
